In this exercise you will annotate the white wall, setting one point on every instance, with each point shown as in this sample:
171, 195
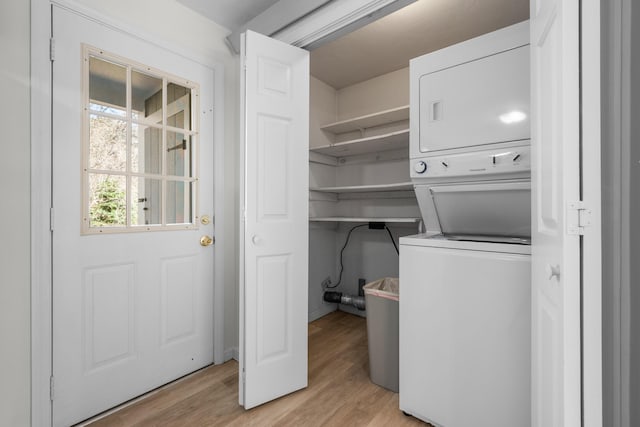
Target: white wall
14, 214
322, 237
377, 94
206, 39
170, 21
322, 110
380, 93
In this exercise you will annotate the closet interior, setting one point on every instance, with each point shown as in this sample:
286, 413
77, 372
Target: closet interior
361, 199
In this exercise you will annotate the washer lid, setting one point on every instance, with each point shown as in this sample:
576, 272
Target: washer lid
489, 239
440, 241
497, 208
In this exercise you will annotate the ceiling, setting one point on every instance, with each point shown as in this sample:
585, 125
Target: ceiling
231, 14
425, 26
389, 43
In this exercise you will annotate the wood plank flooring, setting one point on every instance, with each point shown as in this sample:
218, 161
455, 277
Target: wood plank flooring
339, 392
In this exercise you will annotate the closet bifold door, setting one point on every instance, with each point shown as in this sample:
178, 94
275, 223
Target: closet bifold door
274, 233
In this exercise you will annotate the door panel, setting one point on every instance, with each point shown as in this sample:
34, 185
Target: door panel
555, 181
273, 168
272, 311
132, 310
274, 238
108, 305
178, 304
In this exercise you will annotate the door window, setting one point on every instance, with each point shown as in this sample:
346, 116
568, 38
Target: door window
140, 146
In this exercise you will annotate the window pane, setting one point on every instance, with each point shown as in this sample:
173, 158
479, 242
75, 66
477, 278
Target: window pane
146, 201
178, 106
107, 86
179, 154
107, 143
146, 97
107, 200
179, 202
139, 139
107, 109
146, 149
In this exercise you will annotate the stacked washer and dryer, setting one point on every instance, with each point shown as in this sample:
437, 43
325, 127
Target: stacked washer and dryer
465, 283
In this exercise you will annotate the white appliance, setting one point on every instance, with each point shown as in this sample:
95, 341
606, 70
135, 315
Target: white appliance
471, 95
465, 332
465, 297
483, 192
465, 283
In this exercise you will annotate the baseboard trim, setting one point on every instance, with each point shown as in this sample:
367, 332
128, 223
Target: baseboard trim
231, 353
322, 311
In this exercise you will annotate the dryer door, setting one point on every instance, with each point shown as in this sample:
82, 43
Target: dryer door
496, 208
481, 102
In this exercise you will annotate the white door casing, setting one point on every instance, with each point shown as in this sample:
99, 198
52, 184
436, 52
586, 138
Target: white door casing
555, 182
131, 311
592, 262
274, 208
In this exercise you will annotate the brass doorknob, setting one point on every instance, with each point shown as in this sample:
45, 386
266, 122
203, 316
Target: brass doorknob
206, 240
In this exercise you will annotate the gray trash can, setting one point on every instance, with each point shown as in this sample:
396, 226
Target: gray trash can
382, 331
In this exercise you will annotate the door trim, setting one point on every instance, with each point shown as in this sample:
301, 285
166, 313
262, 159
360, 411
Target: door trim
41, 346
41, 187
591, 195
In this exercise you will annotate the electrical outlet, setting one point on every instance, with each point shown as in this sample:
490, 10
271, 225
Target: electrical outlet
361, 283
326, 282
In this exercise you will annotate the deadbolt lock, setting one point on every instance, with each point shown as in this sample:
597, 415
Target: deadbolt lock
206, 240
205, 220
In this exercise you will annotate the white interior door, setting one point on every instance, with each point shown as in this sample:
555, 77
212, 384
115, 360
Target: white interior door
555, 183
132, 310
274, 236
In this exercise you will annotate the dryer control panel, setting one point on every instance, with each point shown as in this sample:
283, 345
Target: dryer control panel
509, 160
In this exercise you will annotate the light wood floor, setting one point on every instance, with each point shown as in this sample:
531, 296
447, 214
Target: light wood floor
339, 392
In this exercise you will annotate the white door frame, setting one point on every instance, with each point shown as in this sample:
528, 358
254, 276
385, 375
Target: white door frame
591, 196
41, 254
306, 32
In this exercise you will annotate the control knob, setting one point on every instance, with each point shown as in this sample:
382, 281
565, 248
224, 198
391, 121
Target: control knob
420, 167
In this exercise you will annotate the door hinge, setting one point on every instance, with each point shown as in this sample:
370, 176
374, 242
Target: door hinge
52, 388
51, 218
578, 218
244, 62
52, 49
